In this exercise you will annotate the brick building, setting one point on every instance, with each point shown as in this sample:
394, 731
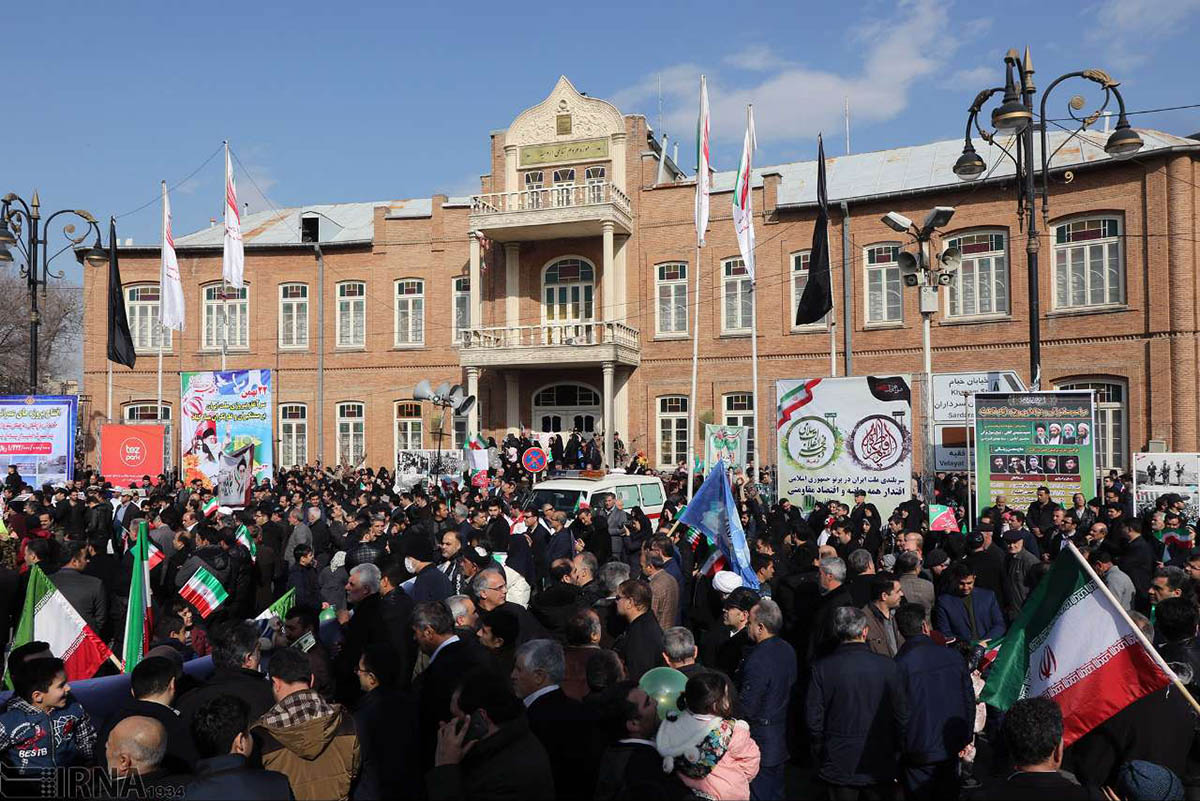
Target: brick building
561, 294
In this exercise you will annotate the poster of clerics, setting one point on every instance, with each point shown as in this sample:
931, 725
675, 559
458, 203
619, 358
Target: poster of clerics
837, 435
226, 431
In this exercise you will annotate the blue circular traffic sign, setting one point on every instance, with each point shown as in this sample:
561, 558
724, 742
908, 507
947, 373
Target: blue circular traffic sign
534, 460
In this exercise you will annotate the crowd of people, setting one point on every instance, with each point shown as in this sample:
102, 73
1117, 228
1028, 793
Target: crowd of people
448, 642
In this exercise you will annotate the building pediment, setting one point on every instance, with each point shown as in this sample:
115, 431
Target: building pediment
565, 116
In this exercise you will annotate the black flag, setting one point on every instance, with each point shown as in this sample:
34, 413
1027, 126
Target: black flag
817, 299
120, 341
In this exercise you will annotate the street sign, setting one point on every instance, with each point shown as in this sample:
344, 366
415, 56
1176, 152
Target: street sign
534, 460
952, 401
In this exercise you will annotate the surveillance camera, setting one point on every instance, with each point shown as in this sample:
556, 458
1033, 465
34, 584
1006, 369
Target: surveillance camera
937, 217
897, 222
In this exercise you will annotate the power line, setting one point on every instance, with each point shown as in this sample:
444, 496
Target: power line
175, 186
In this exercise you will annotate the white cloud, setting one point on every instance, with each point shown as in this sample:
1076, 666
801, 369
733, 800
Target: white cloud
795, 100
1126, 29
975, 78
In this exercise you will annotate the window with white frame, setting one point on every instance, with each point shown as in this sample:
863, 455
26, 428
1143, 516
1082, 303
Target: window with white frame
739, 411
594, 178
736, 310
462, 306
351, 433
293, 315
534, 181
672, 309
885, 291
144, 413
410, 312
568, 287
293, 434
1111, 437
460, 432
142, 305
226, 317
672, 430
409, 427
351, 314
980, 285
1089, 265
564, 180
799, 282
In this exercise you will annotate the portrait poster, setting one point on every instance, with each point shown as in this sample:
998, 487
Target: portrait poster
726, 443
226, 431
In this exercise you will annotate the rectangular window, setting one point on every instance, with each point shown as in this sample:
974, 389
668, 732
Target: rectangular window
672, 306
462, 307
533, 189
409, 427
293, 434
736, 309
460, 432
410, 312
142, 305
351, 439
226, 318
352, 314
293, 316
884, 288
799, 282
980, 285
739, 411
672, 431
1089, 265
594, 177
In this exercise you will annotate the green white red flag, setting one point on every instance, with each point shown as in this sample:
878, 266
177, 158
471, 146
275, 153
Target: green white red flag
281, 607
48, 616
203, 591
233, 258
703, 166
243, 536
743, 208
209, 509
139, 614
170, 299
1074, 643
941, 518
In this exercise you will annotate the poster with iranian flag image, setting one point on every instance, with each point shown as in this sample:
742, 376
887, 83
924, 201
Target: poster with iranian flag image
838, 435
226, 431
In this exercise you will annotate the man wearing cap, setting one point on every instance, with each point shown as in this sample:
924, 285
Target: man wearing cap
724, 646
860, 510
420, 559
986, 560
1016, 573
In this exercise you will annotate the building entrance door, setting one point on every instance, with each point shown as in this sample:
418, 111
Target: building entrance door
563, 408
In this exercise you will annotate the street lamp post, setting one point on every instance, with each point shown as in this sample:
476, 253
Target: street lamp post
18, 217
1015, 116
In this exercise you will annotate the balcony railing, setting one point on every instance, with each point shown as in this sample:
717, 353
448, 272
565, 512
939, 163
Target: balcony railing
598, 332
554, 197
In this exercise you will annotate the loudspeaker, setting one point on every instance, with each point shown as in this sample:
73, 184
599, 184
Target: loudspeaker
464, 405
443, 390
422, 391
456, 395
951, 259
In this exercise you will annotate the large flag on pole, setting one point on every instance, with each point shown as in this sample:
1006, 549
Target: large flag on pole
120, 340
234, 259
714, 513
139, 616
1073, 642
703, 166
170, 298
48, 616
743, 211
817, 299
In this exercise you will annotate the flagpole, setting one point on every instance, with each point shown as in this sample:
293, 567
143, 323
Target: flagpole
224, 289
1162, 664
753, 474
691, 455
108, 415
701, 211
161, 330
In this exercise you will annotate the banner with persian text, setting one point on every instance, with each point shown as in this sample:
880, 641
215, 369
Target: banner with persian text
837, 435
37, 436
225, 431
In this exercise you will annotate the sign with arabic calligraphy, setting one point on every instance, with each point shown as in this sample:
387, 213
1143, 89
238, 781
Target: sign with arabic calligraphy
225, 431
724, 442
37, 435
1026, 440
837, 435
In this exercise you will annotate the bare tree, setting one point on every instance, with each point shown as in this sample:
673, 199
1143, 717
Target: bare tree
60, 336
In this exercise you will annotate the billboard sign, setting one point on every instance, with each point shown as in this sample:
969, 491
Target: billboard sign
37, 435
726, 443
225, 431
1156, 474
953, 393
128, 452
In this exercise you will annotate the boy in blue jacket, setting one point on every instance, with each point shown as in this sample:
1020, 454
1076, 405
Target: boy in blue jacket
41, 726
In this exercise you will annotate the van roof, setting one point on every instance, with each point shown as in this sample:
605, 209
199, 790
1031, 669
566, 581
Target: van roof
584, 484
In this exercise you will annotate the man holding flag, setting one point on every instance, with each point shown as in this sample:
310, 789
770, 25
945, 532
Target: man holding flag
713, 513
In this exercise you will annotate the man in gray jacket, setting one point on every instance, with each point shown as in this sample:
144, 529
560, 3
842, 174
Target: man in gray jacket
1016, 572
1119, 584
301, 535
917, 590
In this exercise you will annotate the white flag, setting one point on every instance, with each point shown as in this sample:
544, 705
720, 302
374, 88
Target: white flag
743, 212
170, 298
703, 166
234, 260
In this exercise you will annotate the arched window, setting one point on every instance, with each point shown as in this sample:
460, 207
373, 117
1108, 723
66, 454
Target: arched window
144, 413
293, 434
739, 411
799, 282
1089, 268
142, 304
351, 314
565, 408
1111, 437
409, 427
568, 286
672, 430
885, 291
980, 285
462, 306
351, 433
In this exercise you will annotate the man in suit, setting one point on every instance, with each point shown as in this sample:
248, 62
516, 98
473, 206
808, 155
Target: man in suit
554, 718
121, 515
449, 658
641, 646
85, 593
967, 612
420, 559
916, 589
764, 691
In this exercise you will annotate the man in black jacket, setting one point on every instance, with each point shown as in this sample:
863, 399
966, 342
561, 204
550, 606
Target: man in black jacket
236, 655
449, 658
1137, 560
1033, 732
641, 646
630, 767
153, 685
554, 719
85, 593
220, 730
360, 629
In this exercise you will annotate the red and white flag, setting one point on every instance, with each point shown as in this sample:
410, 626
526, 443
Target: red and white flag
703, 166
233, 260
743, 211
170, 298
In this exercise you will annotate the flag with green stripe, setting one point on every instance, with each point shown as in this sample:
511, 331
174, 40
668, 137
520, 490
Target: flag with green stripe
204, 591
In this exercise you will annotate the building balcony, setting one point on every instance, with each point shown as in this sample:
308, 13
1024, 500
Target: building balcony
556, 212
552, 345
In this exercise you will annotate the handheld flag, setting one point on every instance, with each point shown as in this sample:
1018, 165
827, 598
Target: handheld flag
1073, 642
743, 206
48, 616
170, 298
120, 340
209, 509
941, 518
203, 591
139, 614
233, 258
703, 166
283, 604
713, 512
243, 536
817, 299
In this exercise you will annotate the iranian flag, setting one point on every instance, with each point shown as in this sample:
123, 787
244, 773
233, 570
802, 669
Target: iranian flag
209, 509
281, 607
204, 592
243, 536
743, 210
477, 443
1074, 643
48, 616
139, 615
941, 518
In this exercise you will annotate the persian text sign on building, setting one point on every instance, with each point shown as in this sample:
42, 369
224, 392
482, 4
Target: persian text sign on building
225, 431
837, 435
37, 435
1026, 440
954, 411
1156, 474
129, 452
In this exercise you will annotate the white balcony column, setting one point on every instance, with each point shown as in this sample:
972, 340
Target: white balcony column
510, 169
473, 412
476, 283
609, 369
619, 302
606, 270
512, 284
618, 161
512, 400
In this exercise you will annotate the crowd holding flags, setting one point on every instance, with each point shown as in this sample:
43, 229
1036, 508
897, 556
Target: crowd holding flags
713, 513
139, 615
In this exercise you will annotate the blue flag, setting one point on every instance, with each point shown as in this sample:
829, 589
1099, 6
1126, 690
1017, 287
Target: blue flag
713, 511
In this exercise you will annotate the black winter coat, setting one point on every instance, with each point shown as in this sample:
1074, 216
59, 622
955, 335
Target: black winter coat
511, 765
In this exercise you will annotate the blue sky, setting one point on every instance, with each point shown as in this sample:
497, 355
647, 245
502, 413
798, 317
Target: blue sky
329, 102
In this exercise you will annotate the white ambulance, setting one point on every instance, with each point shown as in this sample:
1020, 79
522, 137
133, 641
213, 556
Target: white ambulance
565, 494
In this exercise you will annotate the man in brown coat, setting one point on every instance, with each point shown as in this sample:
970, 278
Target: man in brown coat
883, 637
664, 589
306, 738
